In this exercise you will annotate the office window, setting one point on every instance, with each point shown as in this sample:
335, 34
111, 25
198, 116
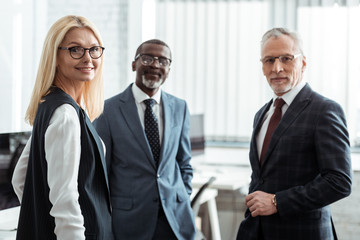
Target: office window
216, 65
24, 25
216, 49
331, 37
16, 62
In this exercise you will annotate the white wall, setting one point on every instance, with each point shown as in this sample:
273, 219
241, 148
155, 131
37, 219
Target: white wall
23, 27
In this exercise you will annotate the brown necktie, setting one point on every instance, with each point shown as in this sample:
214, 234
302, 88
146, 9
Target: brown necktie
274, 121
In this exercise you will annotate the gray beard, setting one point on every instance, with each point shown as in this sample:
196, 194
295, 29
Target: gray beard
151, 84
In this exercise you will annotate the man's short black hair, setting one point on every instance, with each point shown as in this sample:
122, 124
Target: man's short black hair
152, 41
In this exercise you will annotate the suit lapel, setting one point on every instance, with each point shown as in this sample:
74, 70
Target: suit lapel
259, 118
168, 110
257, 126
130, 113
300, 102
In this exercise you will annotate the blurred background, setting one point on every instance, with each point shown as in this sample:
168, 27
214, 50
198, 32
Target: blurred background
216, 50
215, 46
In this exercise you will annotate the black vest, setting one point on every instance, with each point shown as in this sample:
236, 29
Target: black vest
35, 221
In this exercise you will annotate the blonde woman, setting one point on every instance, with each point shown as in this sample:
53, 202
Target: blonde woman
61, 178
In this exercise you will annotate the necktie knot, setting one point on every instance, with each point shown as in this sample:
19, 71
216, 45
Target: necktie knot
149, 102
279, 102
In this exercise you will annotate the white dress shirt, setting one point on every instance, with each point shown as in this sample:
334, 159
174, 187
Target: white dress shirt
288, 98
62, 153
140, 96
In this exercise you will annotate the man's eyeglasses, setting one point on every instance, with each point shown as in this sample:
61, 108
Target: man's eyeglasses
285, 59
147, 59
78, 52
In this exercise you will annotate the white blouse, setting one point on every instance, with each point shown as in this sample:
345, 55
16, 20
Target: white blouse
62, 153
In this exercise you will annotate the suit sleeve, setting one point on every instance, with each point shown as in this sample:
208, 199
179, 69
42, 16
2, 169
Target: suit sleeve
183, 156
332, 153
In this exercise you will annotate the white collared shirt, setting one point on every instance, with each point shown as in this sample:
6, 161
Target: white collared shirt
140, 96
288, 98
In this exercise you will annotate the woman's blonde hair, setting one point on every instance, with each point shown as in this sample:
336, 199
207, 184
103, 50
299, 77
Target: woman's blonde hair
93, 95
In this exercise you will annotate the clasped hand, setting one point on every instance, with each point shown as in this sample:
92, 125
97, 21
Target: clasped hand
260, 204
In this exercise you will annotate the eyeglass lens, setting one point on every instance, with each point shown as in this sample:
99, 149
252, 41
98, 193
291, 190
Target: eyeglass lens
79, 52
148, 59
286, 59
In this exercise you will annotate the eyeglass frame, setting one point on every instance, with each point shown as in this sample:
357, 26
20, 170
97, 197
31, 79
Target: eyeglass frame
154, 58
280, 57
70, 48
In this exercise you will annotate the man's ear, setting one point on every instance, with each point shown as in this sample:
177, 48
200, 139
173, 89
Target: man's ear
168, 72
133, 66
303, 63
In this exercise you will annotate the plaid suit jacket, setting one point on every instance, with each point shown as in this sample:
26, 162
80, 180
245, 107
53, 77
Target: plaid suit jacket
307, 166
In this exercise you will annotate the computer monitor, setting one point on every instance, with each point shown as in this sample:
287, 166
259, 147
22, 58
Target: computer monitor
11, 147
4, 142
197, 135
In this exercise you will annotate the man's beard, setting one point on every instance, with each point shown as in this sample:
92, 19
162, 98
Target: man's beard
152, 84
284, 89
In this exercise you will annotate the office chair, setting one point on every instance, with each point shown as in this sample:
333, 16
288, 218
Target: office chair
195, 205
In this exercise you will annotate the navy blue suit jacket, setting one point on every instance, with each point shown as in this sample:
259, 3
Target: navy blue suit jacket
307, 166
137, 185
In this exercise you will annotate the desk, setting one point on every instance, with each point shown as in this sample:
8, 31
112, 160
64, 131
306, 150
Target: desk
208, 197
8, 223
355, 160
231, 168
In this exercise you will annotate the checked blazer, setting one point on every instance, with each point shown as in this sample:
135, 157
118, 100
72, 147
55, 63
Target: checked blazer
307, 166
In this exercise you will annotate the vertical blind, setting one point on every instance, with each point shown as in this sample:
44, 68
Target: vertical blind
331, 34
216, 65
216, 52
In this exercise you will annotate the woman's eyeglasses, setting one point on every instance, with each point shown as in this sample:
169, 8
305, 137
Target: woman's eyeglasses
78, 52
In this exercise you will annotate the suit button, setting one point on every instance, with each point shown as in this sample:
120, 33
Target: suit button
155, 199
261, 181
